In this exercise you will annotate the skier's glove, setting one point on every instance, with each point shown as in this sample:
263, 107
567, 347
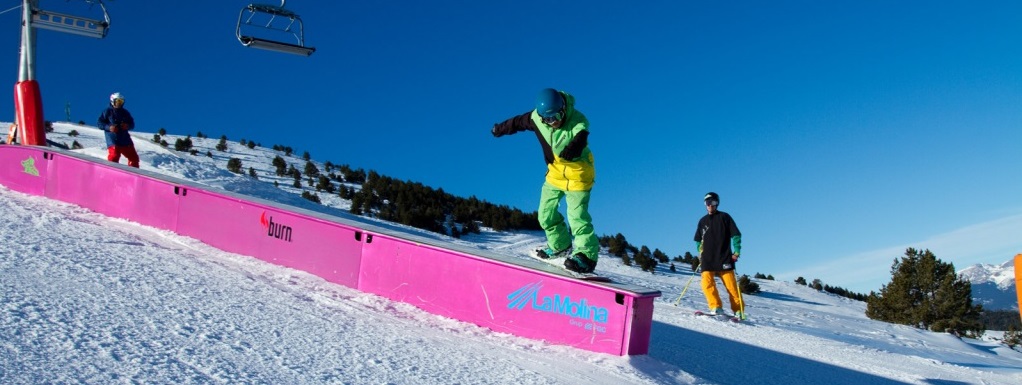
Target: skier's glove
124, 126
496, 134
568, 154
574, 148
113, 128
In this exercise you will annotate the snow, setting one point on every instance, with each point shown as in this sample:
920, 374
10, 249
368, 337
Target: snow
98, 300
1003, 275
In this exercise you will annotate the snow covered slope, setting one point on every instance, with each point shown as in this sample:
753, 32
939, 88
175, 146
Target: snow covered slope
90, 299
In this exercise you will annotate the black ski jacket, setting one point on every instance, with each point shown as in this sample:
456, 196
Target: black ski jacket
714, 234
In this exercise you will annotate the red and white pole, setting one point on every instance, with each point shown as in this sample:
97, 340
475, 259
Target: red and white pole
28, 100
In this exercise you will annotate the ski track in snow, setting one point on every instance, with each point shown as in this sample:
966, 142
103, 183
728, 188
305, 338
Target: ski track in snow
92, 299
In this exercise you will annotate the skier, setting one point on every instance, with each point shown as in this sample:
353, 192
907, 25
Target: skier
12, 134
719, 243
117, 121
563, 134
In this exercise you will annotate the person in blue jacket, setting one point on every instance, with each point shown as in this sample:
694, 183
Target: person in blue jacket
116, 121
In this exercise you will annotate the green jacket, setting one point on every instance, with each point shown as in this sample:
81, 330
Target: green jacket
570, 163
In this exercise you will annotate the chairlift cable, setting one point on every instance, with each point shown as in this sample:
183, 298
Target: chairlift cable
15, 7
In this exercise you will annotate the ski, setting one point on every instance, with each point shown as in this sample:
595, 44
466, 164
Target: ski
719, 316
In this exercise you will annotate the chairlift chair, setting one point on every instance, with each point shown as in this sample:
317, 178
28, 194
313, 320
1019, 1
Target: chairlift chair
72, 24
272, 14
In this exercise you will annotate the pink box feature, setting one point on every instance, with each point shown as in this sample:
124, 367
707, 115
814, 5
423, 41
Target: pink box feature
508, 295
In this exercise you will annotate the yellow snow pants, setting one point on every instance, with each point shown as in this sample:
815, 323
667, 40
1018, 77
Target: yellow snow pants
730, 283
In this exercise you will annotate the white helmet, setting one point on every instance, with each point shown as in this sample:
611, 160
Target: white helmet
116, 96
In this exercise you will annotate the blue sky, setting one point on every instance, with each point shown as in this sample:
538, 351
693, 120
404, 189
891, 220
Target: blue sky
836, 133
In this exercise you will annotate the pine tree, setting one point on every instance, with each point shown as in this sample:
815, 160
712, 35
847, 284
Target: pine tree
617, 245
297, 175
470, 227
817, 284
925, 292
183, 144
280, 165
234, 165
323, 184
660, 256
310, 196
1012, 338
311, 169
356, 204
747, 286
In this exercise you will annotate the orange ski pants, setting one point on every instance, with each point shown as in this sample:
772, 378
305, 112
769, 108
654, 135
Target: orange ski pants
730, 283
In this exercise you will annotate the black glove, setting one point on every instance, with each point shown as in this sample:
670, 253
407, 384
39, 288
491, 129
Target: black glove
567, 154
494, 131
574, 148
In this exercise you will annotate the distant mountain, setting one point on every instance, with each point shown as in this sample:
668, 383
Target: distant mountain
993, 286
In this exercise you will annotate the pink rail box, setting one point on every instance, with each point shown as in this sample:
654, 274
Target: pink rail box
510, 295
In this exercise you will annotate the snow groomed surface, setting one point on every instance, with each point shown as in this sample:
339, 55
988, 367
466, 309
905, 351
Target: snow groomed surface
487, 289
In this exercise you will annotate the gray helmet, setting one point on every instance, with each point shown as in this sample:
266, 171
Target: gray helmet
116, 96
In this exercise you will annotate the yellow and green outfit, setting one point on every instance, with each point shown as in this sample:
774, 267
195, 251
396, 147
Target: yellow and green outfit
570, 175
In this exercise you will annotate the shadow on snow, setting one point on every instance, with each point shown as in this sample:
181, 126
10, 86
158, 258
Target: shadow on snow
724, 361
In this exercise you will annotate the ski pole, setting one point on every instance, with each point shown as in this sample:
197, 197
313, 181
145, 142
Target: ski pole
677, 301
741, 301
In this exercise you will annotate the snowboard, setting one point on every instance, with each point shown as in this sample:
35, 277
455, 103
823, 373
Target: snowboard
559, 262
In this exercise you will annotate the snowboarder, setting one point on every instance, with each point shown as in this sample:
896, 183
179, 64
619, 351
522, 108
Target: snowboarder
563, 134
116, 121
719, 243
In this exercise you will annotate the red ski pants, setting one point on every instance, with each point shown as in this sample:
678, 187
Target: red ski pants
113, 154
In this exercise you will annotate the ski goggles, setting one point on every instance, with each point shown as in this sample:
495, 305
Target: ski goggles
553, 118
710, 202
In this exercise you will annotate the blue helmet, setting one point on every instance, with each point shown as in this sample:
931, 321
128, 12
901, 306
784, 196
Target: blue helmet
549, 103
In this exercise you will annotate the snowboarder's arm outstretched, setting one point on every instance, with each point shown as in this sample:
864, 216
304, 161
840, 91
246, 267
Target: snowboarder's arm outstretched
514, 125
